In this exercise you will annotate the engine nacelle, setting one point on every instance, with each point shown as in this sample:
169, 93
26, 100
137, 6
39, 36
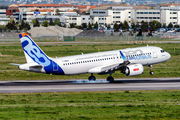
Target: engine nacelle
134, 69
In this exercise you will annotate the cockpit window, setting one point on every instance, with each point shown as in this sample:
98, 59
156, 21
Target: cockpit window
162, 51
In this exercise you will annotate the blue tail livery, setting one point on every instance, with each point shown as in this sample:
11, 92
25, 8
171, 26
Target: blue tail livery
35, 55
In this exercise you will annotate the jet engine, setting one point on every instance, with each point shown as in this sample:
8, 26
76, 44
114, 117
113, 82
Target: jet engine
134, 69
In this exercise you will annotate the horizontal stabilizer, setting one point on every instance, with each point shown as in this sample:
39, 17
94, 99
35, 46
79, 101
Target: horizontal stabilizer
15, 64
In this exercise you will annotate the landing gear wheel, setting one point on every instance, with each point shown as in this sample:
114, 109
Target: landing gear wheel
91, 78
110, 79
151, 73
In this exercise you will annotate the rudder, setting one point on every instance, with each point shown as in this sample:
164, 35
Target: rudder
32, 51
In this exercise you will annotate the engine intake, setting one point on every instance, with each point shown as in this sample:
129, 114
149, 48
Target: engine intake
134, 69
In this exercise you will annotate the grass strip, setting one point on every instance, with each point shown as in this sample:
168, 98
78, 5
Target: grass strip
158, 104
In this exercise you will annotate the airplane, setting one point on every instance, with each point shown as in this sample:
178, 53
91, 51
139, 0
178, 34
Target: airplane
129, 61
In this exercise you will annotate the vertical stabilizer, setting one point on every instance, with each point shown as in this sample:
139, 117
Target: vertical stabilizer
32, 51
34, 54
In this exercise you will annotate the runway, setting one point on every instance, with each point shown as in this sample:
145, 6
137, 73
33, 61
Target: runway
84, 85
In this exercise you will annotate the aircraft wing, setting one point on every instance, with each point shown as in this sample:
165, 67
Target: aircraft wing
112, 67
109, 68
105, 68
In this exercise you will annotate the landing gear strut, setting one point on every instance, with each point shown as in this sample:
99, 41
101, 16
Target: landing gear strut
110, 78
151, 72
92, 78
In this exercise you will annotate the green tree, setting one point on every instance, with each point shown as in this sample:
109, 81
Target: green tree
58, 12
79, 27
152, 25
116, 27
22, 26
170, 25
11, 25
158, 25
45, 23
35, 23
137, 25
109, 26
144, 26
176, 26
89, 26
13, 22
121, 25
72, 25
84, 25
96, 25
155, 22
56, 22
51, 23
125, 25
27, 26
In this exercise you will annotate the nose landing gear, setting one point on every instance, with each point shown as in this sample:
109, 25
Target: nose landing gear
151, 72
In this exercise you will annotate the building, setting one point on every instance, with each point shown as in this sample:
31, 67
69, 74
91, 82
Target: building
2, 13
3, 17
103, 15
117, 14
41, 16
146, 15
170, 14
4, 21
73, 17
113, 15
11, 10
53, 7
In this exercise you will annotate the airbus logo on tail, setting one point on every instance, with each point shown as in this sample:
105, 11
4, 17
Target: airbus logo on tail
34, 52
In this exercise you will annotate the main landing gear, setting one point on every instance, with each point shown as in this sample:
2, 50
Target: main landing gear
151, 72
110, 78
92, 78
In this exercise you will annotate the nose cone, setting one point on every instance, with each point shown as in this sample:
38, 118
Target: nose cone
168, 56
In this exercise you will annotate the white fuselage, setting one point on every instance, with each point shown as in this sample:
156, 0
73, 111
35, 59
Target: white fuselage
97, 62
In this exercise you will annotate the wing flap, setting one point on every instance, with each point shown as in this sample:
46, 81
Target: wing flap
105, 68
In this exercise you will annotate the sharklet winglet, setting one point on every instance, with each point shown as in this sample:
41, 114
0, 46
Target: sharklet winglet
123, 57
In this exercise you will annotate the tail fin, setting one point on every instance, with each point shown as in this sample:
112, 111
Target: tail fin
32, 51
